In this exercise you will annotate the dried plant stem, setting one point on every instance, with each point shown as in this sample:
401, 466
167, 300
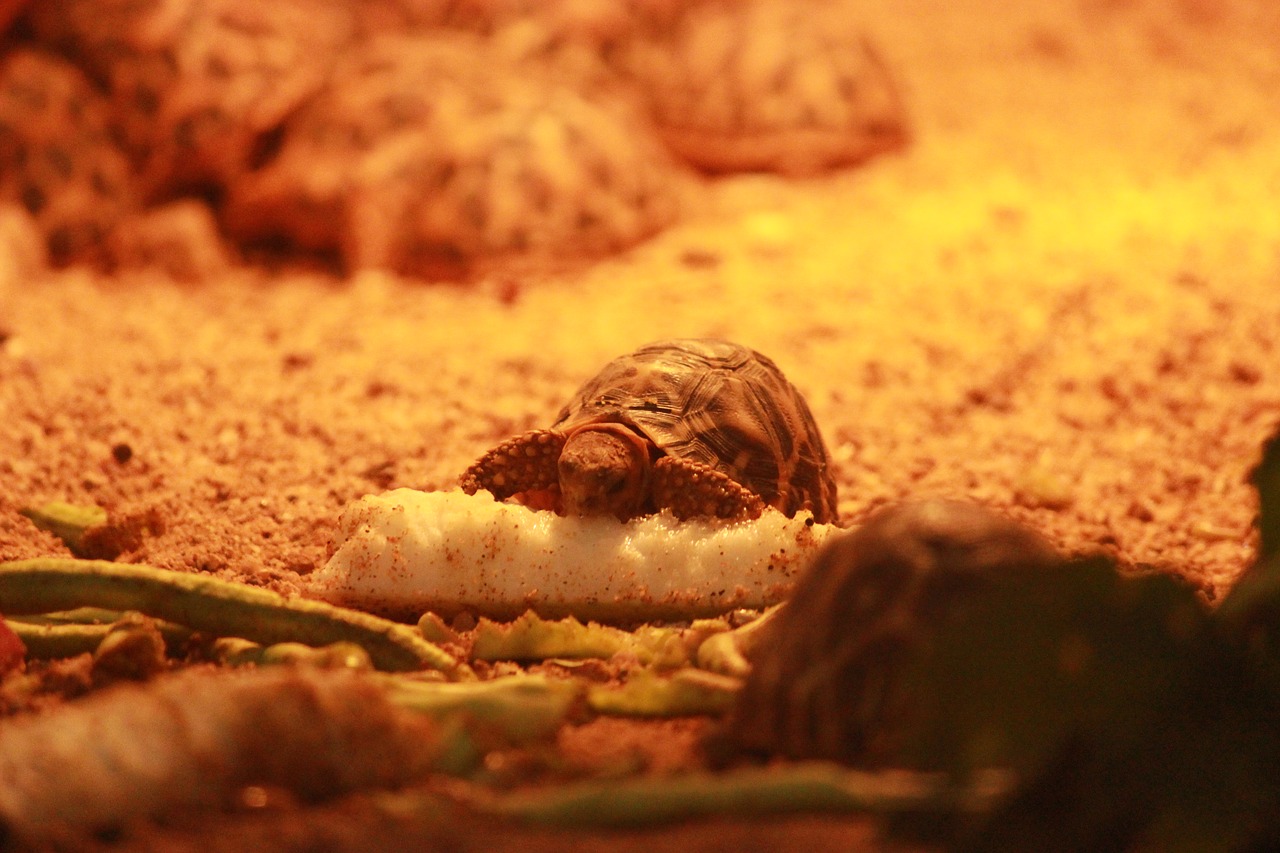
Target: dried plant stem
216, 606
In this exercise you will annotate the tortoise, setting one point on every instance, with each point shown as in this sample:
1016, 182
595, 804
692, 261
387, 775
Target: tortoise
765, 85
701, 427
199, 88
59, 159
827, 676
490, 163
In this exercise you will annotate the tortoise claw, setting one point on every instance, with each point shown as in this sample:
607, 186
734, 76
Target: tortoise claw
696, 490
520, 464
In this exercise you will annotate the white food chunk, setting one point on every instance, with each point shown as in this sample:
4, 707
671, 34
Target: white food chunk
405, 552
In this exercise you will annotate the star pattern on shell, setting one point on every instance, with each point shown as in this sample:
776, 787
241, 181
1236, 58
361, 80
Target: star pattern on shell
701, 428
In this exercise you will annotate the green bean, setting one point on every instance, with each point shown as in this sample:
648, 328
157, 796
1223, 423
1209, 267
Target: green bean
66, 521
63, 640
78, 616
215, 606
750, 792
236, 651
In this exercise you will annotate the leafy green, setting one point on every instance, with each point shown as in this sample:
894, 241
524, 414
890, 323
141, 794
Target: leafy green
1252, 609
685, 692
533, 638
1189, 766
1045, 656
1265, 477
68, 522
1172, 742
745, 793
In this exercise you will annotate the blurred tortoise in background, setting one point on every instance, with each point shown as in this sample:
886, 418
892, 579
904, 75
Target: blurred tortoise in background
703, 428
794, 87
828, 672
58, 160
440, 136
482, 165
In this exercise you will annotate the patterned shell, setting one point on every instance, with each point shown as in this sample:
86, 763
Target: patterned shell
718, 403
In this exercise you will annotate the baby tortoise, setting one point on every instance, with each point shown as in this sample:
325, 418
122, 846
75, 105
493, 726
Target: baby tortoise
200, 88
765, 85
827, 675
703, 428
423, 159
58, 159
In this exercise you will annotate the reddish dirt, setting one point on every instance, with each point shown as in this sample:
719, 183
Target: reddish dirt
1060, 302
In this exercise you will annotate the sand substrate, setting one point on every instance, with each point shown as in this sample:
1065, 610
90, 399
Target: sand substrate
1062, 302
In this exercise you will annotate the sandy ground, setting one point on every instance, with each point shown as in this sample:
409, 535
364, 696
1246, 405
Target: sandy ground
1060, 301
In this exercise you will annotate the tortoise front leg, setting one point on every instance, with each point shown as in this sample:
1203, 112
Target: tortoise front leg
696, 490
521, 464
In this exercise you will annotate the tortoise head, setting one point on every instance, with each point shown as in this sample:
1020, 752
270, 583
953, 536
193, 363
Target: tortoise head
604, 470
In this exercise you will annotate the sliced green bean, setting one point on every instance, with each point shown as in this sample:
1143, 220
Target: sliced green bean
78, 616
237, 651
64, 640
807, 787
66, 521
215, 606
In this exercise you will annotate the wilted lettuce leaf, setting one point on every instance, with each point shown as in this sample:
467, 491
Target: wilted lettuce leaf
1266, 479
685, 692
1045, 656
1252, 608
531, 637
1188, 767
1127, 712
1186, 758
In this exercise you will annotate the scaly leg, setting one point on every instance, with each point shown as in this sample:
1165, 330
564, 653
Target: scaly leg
696, 490
521, 464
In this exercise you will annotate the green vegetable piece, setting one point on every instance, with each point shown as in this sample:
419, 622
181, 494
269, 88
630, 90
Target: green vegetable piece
332, 656
1265, 477
133, 648
533, 638
1251, 610
751, 792
67, 521
59, 635
1189, 767
518, 708
78, 616
1043, 657
686, 692
727, 652
215, 606
237, 651
433, 629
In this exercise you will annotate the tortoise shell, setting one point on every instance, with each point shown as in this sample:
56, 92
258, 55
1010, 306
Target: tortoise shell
795, 88
830, 672
720, 404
